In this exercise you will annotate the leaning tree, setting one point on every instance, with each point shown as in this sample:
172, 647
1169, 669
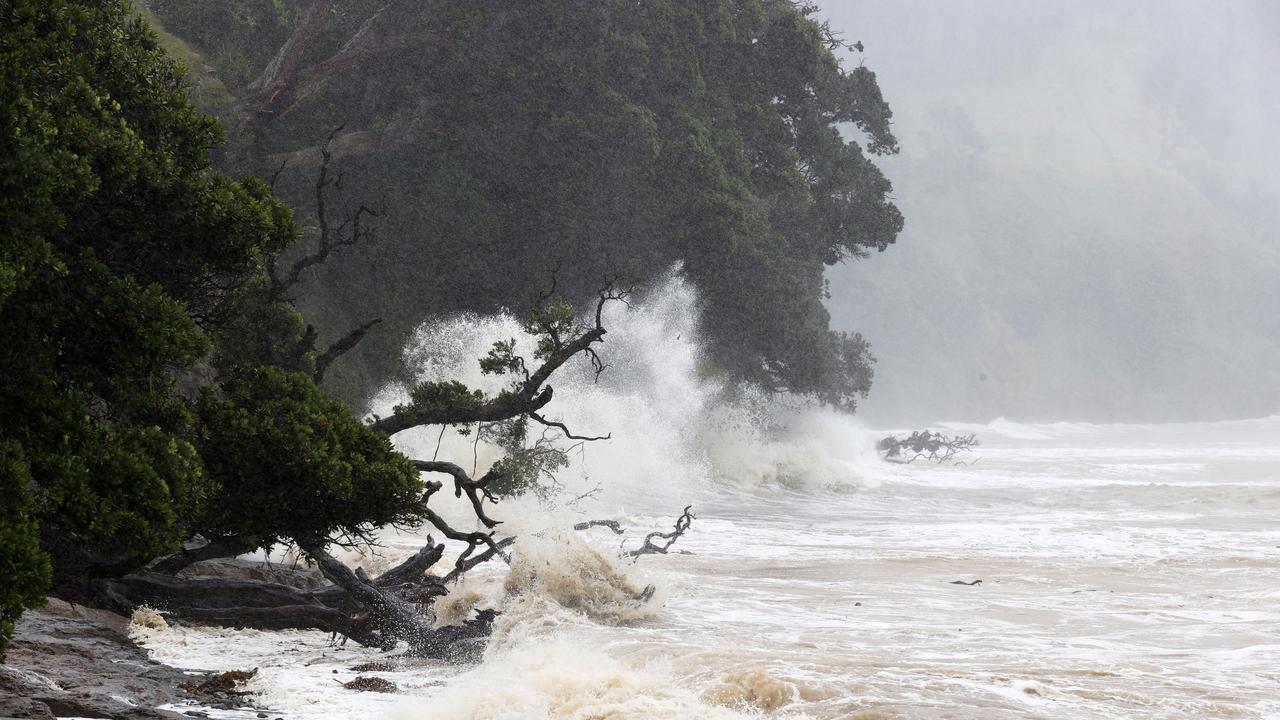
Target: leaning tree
609, 135
158, 396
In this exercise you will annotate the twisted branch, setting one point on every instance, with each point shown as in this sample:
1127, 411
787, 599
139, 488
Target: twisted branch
350, 231
649, 547
462, 483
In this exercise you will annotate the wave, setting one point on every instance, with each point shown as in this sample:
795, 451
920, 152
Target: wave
564, 680
1201, 430
674, 429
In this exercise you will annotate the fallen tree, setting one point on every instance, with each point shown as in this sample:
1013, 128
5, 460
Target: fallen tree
931, 446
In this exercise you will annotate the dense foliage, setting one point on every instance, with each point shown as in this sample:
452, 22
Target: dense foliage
349, 478
157, 384
604, 137
121, 252
23, 565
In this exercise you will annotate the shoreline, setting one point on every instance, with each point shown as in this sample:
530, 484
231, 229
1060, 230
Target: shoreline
73, 661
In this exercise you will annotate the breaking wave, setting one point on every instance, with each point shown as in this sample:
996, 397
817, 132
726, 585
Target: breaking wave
1127, 570
562, 680
675, 432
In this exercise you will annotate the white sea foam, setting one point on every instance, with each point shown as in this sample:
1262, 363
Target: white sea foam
1127, 570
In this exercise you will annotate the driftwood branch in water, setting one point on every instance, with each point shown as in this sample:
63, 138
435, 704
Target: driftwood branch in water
611, 524
650, 547
414, 569
924, 444
398, 619
389, 611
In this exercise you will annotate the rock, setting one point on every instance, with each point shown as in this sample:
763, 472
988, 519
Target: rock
371, 684
373, 667
69, 661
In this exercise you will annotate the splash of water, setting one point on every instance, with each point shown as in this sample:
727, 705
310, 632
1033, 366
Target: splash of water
563, 567
675, 433
1128, 570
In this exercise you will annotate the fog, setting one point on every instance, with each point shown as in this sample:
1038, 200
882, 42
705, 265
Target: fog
1091, 195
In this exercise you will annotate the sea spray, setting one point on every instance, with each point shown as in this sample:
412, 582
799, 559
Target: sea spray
753, 689
560, 566
564, 680
677, 434
819, 579
1129, 571
146, 617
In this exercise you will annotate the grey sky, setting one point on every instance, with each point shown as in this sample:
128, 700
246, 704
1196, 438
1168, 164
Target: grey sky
1092, 196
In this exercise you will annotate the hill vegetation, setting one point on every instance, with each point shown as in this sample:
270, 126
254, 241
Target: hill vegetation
500, 140
159, 389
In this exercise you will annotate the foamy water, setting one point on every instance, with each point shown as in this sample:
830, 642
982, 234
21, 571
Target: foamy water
1127, 571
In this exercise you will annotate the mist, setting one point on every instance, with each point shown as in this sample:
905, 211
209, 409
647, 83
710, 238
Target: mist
1090, 191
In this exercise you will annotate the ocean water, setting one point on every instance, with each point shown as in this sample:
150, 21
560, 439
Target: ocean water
1127, 571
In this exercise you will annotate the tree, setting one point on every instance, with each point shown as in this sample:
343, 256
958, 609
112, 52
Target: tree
603, 137
118, 244
158, 398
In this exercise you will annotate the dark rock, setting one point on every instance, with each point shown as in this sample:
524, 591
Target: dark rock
70, 661
371, 684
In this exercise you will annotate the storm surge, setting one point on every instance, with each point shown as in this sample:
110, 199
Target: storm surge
1108, 570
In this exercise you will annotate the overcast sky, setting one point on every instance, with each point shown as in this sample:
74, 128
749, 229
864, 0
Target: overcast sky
1092, 193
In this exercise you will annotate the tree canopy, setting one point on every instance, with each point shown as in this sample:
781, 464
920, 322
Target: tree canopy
157, 384
607, 137
121, 251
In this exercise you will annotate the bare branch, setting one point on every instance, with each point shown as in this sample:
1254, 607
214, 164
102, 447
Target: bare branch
275, 176
462, 483
611, 524
487, 555
565, 430
472, 539
395, 617
341, 347
350, 231
649, 547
